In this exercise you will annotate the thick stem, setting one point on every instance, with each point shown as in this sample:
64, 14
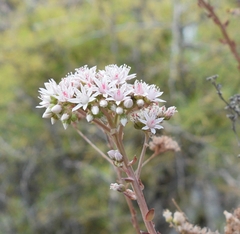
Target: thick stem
130, 206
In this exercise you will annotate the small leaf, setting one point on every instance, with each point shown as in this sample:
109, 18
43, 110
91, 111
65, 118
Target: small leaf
150, 215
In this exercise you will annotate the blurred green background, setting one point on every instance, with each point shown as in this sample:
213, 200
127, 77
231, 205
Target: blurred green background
50, 180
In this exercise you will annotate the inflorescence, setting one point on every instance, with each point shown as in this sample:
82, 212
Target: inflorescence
104, 95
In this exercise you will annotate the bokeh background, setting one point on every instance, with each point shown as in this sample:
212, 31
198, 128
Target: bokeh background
51, 181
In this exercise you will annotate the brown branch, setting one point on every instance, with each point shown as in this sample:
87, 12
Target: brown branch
226, 39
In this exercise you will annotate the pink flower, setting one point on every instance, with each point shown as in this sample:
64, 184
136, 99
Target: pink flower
140, 88
103, 85
119, 94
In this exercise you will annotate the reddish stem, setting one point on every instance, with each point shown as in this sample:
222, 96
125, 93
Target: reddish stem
227, 40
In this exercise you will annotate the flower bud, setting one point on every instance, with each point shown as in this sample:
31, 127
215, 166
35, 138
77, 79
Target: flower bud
117, 187
95, 110
170, 112
123, 121
103, 103
140, 102
89, 117
65, 125
119, 110
65, 116
47, 114
115, 155
113, 107
56, 109
53, 120
128, 103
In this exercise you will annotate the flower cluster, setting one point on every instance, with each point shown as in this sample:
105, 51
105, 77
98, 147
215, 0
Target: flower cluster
181, 224
104, 95
233, 222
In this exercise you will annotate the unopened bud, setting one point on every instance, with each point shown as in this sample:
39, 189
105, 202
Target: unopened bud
56, 109
95, 110
117, 187
170, 112
64, 117
123, 121
115, 155
89, 117
119, 110
47, 114
140, 102
103, 103
65, 125
53, 120
128, 103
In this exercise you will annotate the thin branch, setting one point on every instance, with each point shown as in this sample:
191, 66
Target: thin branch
92, 144
141, 159
226, 38
149, 159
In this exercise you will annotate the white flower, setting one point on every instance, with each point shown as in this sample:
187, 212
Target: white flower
85, 74
65, 90
151, 122
114, 186
47, 94
167, 215
117, 187
153, 93
118, 74
178, 218
83, 97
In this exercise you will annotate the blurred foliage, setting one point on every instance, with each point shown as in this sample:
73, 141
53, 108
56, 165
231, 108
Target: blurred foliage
51, 181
